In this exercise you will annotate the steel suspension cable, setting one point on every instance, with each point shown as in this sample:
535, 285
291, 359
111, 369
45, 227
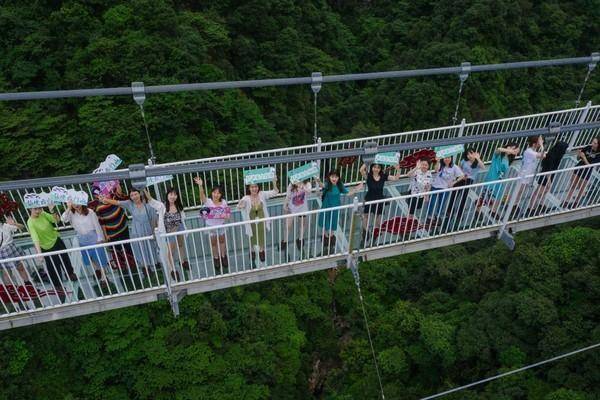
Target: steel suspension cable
492, 378
591, 67
120, 91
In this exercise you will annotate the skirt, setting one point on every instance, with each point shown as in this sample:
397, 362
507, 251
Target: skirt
98, 256
10, 251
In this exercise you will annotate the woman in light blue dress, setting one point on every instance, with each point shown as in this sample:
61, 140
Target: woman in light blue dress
144, 220
501, 160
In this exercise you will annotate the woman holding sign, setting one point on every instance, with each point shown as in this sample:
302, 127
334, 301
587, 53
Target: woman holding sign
296, 201
332, 197
45, 238
218, 212
85, 222
254, 206
376, 179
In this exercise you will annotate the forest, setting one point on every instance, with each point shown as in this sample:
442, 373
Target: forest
439, 319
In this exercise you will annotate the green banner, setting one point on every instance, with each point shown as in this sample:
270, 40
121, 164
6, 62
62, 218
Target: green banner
306, 171
254, 176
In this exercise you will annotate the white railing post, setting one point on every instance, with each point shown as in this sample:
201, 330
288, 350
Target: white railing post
581, 120
163, 251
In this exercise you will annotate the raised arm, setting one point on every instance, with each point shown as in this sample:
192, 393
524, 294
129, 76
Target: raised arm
11, 221
201, 192
275, 188
106, 200
363, 171
54, 212
396, 176
356, 189
66, 216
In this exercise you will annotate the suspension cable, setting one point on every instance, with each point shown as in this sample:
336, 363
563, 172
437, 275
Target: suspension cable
119, 91
315, 134
464, 74
591, 67
315, 86
152, 155
364, 311
353, 263
537, 364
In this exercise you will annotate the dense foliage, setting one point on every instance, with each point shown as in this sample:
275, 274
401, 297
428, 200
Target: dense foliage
439, 319
49, 44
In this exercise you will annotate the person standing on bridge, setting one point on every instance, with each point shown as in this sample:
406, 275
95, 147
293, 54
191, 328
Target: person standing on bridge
493, 193
171, 218
8, 249
144, 219
45, 238
296, 202
376, 179
332, 191
254, 207
588, 155
529, 164
218, 235
85, 223
447, 176
420, 182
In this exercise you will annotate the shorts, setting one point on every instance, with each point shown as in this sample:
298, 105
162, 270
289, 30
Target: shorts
584, 173
376, 209
10, 251
414, 203
545, 180
217, 232
98, 255
173, 239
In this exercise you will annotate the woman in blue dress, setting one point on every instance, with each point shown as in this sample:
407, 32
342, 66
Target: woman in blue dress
333, 189
144, 219
501, 160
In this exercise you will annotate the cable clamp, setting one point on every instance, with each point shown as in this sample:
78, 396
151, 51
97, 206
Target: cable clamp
465, 70
317, 81
139, 92
137, 175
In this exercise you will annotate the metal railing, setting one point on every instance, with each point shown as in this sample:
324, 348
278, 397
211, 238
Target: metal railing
231, 179
167, 260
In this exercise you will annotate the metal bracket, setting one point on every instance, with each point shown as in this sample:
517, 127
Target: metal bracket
139, 92
175, 298
355, 204
137, 175
553, 131
595, 60
352, 264
465, 70
317, 81
507, 239
370, 149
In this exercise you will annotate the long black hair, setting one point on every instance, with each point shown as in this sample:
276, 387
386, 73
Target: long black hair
465, 157
511, 157
327, 187
178, 204
143, 198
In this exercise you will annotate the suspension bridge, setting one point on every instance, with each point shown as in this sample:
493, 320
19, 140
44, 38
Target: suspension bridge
466, 215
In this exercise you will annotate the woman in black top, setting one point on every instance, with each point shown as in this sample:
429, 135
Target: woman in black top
588, 155
376, 179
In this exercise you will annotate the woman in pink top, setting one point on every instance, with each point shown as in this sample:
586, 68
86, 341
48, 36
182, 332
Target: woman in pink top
217, 235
